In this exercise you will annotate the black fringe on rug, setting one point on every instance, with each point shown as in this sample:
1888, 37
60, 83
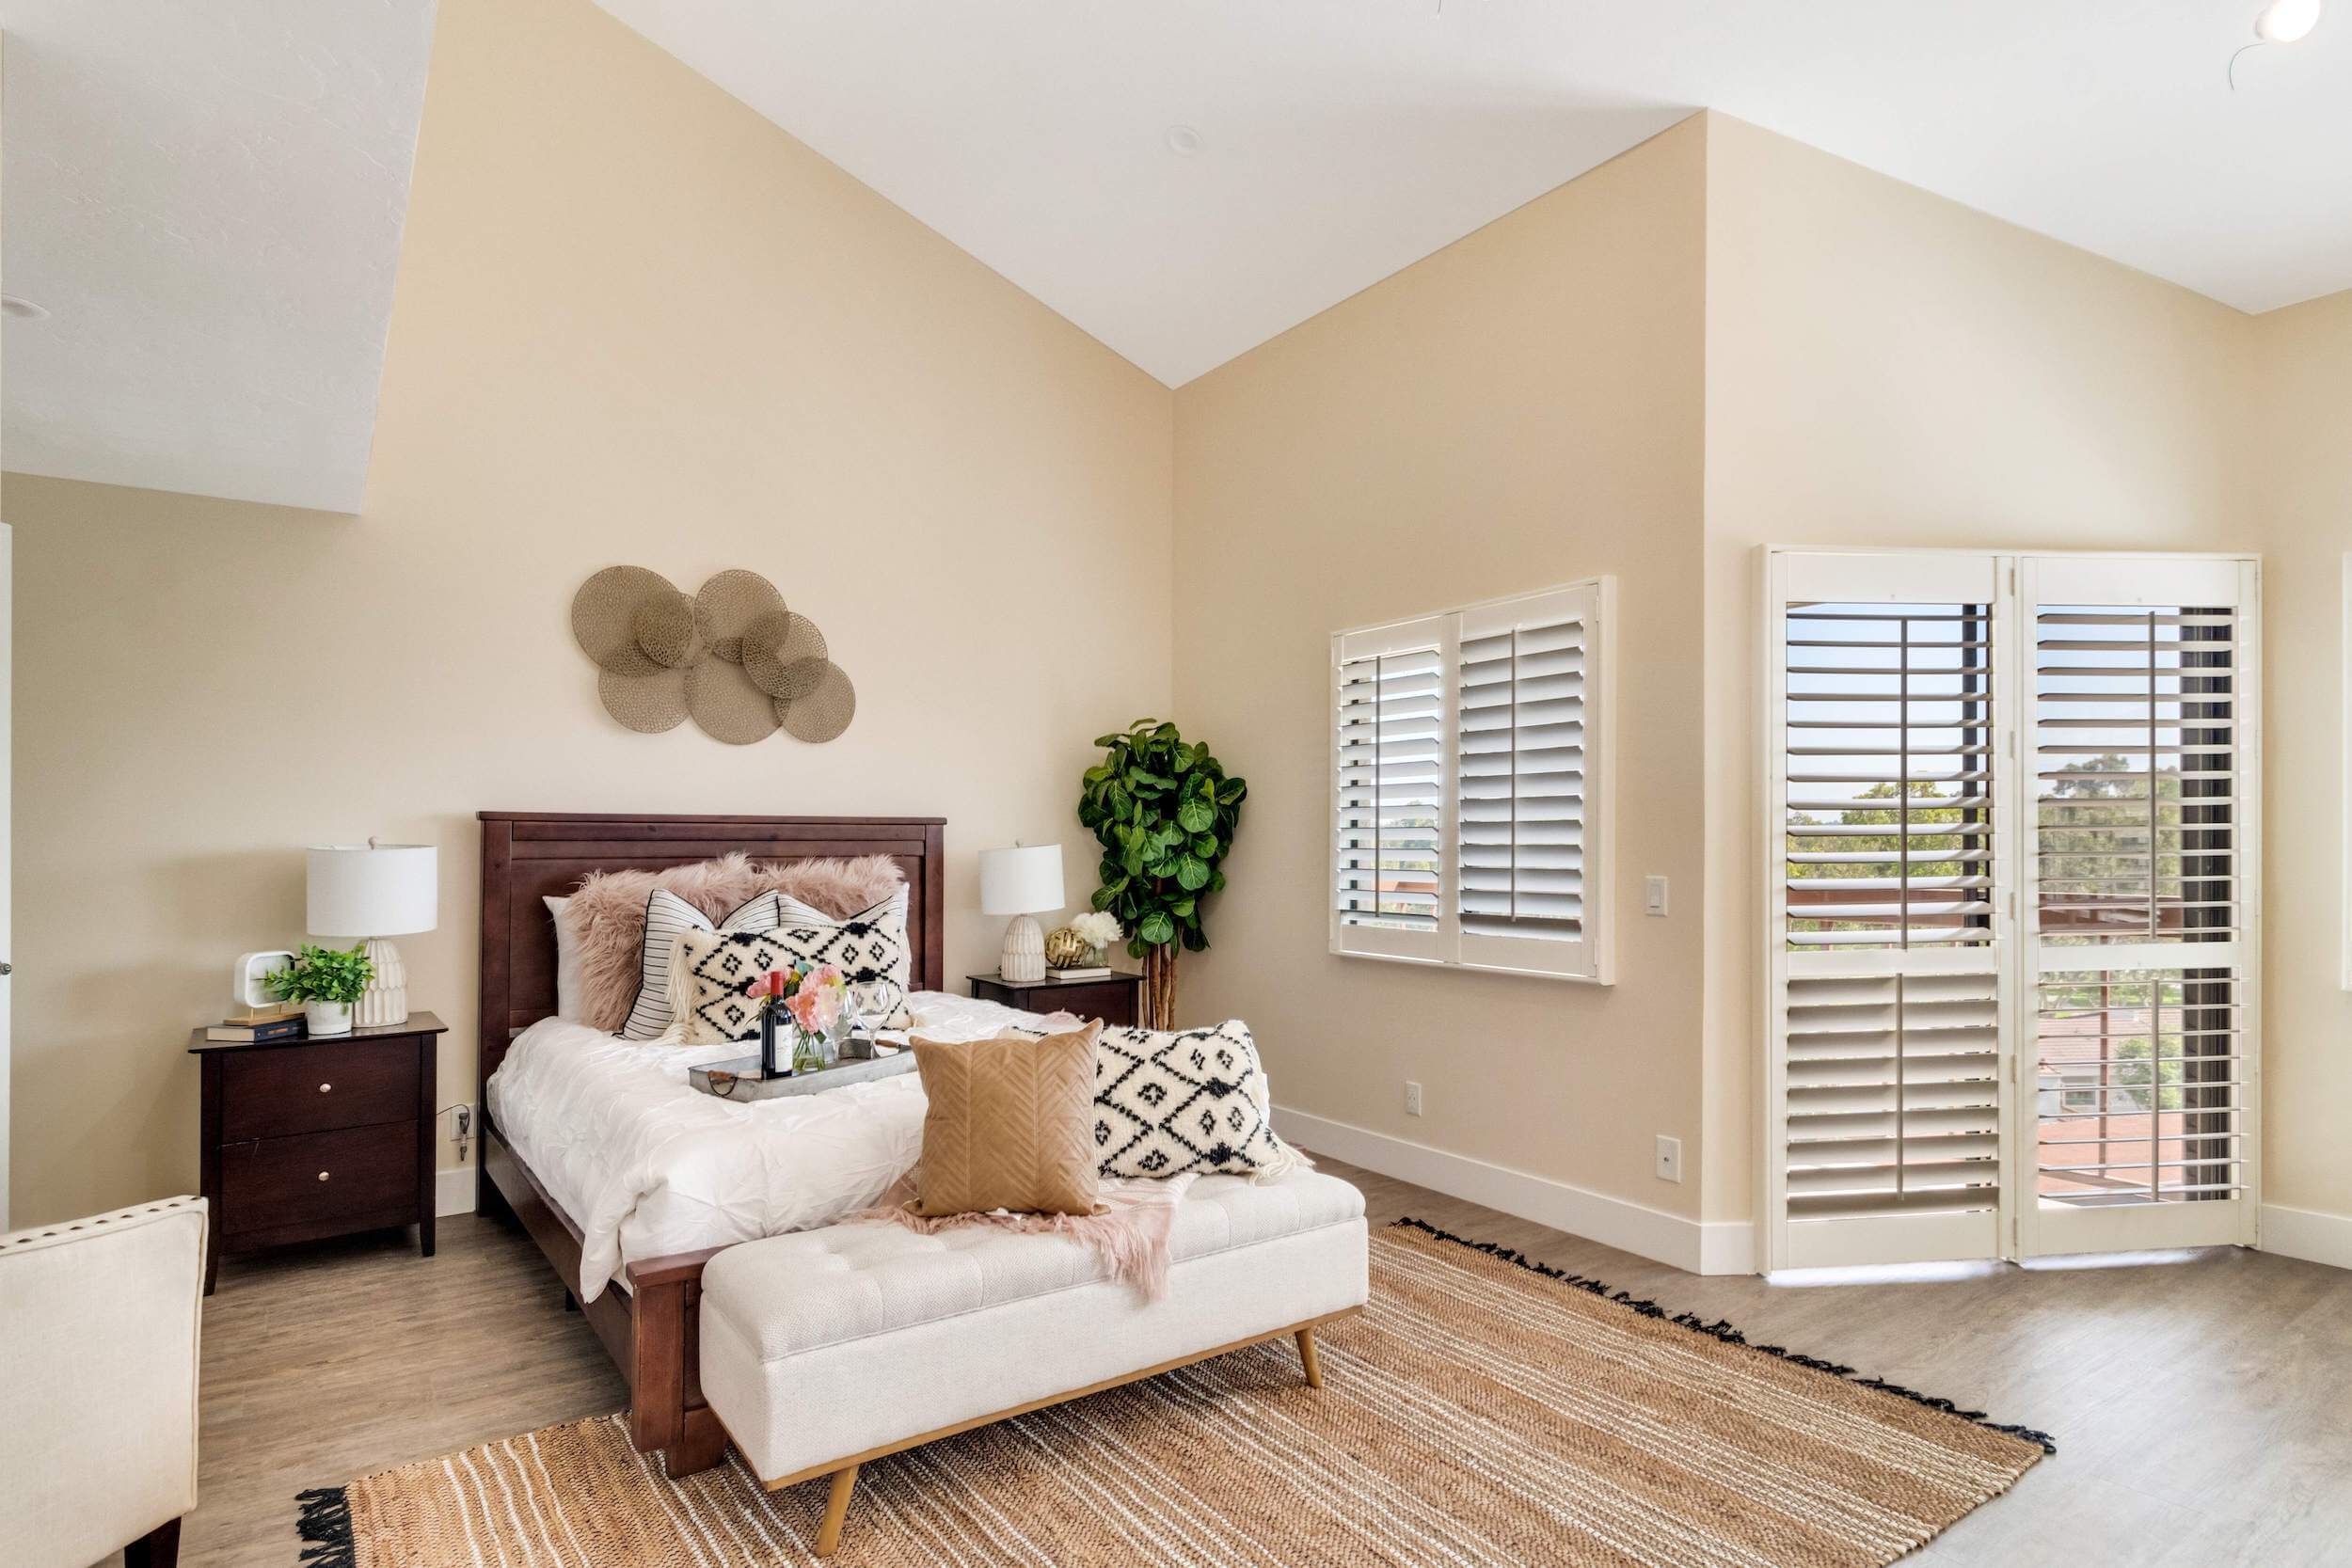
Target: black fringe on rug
326, 1527
1721, 1329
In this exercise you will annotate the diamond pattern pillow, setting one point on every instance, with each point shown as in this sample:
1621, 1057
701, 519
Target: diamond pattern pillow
869, 947
1194, 1099
709, 974
667, 918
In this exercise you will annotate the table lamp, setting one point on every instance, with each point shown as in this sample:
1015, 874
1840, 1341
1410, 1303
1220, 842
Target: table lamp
1021, 881
375, 891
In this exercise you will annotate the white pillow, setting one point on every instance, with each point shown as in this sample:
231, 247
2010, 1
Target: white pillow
567, 959
667, 918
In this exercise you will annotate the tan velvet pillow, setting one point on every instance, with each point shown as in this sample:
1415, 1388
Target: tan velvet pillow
1011, 1125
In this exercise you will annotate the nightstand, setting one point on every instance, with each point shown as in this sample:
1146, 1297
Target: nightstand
1116, 999
310, 1138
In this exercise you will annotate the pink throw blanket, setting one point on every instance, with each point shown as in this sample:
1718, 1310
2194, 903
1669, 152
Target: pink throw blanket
1129, 1229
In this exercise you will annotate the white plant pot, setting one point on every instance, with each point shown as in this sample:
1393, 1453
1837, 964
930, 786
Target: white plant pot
326, 1018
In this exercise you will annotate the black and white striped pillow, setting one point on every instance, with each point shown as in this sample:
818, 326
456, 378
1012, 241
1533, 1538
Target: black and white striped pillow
667, 918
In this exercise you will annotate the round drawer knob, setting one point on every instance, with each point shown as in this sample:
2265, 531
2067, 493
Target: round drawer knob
322, 1176
324, 1087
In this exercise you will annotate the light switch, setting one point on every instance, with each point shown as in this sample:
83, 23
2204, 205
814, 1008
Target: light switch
1653, 896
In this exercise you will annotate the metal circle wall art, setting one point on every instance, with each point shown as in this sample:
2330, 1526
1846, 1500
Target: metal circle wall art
731, 657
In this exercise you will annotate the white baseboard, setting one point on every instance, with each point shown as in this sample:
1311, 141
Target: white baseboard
452, 1191
1714, 1247
2308, 1234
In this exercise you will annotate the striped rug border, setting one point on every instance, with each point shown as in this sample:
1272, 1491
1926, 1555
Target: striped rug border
324, 1521
1721, 1329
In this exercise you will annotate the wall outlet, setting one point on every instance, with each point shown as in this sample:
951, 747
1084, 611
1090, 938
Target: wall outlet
1653, 896
1669, 1158
1412, 1100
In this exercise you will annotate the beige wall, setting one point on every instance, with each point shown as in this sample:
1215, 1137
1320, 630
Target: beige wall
635, 322
2296, 462
1520, 409
1888, 368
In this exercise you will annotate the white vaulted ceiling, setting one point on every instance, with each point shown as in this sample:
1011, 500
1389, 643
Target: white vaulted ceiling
1342, 139
207, 198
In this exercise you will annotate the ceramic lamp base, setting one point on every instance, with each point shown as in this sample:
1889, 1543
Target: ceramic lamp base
386, 1000
1023, 962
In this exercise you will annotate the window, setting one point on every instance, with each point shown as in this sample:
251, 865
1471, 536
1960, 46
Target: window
2014, 852
1467, 787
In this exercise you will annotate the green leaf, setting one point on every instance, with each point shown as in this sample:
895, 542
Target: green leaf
1156, 930
1206, 847
1137, 947
1196, 816
1196, 942
1182, 907
1192, 873
1230, 793
1216, 882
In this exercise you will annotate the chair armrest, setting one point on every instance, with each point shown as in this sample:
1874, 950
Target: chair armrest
99, 1346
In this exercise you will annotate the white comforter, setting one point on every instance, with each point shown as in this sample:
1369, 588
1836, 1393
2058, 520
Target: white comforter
649, 1165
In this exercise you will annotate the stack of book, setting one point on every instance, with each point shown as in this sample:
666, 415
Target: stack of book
258, 1025
1084, 972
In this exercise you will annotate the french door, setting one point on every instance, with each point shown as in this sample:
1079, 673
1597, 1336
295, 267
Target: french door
2013, 905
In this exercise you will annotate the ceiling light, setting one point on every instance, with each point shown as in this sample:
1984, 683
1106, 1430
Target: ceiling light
2287, 20
1185, 141
22, 309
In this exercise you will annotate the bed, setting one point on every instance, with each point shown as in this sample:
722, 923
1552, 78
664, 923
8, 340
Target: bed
649, 1327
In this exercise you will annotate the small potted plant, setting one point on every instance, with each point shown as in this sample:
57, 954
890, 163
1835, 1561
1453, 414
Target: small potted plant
326, 981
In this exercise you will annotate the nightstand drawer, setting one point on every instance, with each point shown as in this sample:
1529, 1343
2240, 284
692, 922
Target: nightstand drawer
1112, 1001
314, 1088
351, 1175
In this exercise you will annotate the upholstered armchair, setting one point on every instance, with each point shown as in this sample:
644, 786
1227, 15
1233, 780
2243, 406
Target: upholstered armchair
98, 1355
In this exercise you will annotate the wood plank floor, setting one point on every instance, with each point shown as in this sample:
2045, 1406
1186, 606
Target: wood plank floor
2202, 1406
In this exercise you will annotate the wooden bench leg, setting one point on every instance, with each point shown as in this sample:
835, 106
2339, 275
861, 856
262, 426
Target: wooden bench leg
1307, 1358
158, 1548
836, 1510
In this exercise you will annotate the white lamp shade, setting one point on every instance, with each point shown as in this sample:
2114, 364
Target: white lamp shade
1021, 881
373, 889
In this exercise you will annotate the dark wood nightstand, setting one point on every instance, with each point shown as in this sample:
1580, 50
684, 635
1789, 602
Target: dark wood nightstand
309, 1138
1116, 999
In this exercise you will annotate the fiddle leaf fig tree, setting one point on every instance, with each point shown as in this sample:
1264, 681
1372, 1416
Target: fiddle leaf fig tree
1164, 813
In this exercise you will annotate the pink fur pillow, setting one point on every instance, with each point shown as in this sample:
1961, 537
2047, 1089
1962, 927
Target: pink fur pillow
606, 915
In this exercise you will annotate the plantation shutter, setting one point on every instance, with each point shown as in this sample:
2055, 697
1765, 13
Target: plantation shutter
1527, 879
2016, 906
1886, 924
1389, 777
2142, 909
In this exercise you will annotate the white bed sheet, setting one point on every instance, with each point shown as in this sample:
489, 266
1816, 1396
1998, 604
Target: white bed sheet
649, 1165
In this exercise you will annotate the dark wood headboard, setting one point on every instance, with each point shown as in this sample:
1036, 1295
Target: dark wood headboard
528, 855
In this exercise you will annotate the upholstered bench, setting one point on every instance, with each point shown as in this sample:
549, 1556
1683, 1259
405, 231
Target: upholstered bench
823, 1350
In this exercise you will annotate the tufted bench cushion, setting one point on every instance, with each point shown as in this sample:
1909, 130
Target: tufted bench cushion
829, 1345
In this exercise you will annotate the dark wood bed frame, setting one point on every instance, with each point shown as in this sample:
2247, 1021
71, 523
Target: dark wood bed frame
649, 1330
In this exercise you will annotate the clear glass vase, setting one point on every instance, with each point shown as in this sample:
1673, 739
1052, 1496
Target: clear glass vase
810, 1052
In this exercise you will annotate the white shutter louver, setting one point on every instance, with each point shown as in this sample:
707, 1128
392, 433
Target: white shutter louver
1389, 706
1468, 786
1525, 785
2015, 905
2144, 758
1888, 999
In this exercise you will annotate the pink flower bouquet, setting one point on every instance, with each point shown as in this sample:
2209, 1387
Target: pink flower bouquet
815, 996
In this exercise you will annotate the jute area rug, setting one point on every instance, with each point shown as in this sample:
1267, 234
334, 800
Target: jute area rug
1482, 1410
